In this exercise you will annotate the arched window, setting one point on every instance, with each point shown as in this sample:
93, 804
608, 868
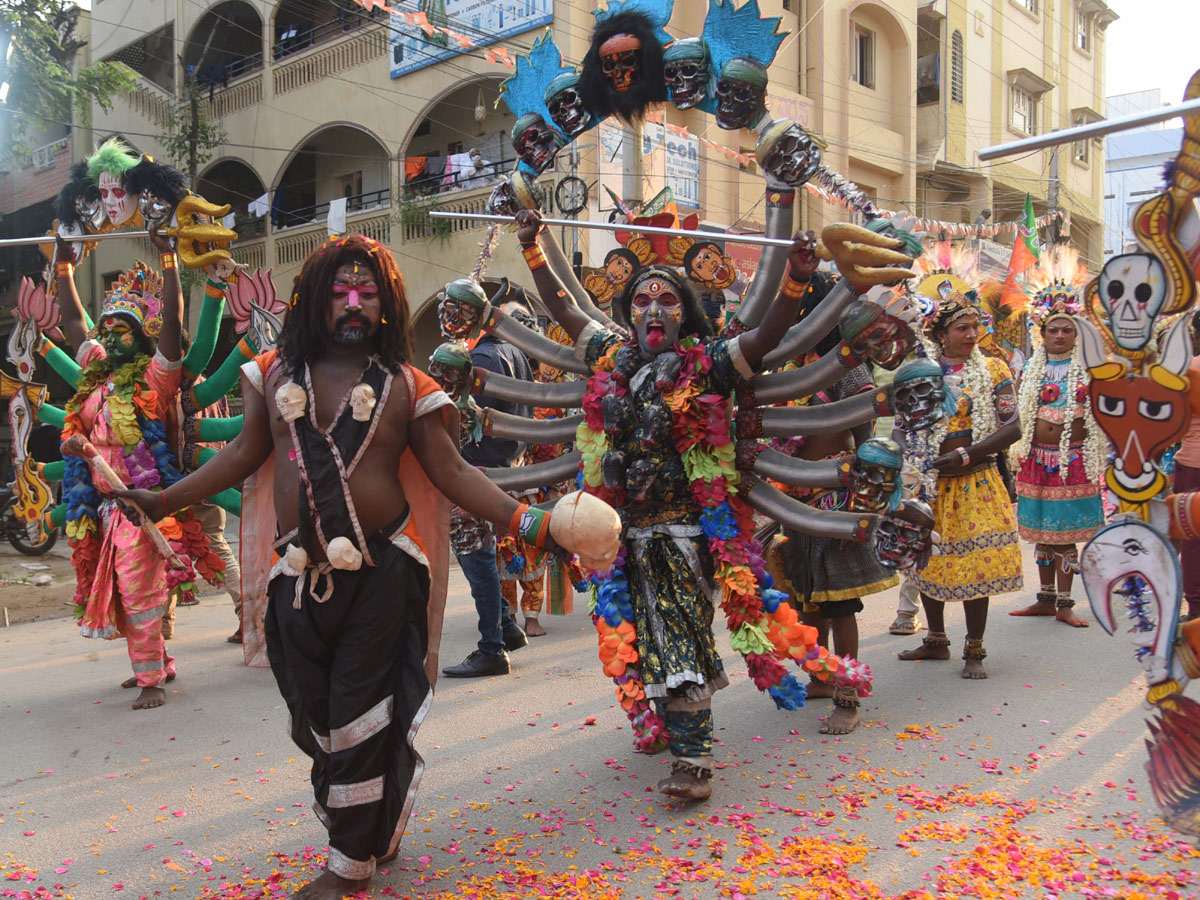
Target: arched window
956, 67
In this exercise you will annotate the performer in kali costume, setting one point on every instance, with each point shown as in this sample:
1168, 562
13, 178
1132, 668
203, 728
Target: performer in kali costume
347, 448
1060, 456
980, 556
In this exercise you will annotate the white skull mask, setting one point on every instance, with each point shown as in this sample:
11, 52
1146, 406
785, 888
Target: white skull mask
291, 400
362, 401
1133, 288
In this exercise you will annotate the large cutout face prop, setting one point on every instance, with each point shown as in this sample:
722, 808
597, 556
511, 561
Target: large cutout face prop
904, 539
119, 204
788, 153
566, 105
685, 65
741, 93
536, 143
656, 313
460, 308
1132, 289
872, 334
620, 60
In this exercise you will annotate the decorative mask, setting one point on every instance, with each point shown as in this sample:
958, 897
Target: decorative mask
566, 105
291, 400
1130, 564
536, 143
450, 367
362, 401
514, 193
904, 539
119, 205
460, 308
1132, 288
656, 313
91, 212
872, 334
875, 476
920, 395
154, 210
741, 93
685, 65
787, 152
523, 317
620, 57
1142, 415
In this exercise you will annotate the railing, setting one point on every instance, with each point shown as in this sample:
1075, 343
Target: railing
345, 54
251, 253
44, 156
296, 39
309, 215
236, 97
147, 99
296, 246
248, 229
428, 185
417, 226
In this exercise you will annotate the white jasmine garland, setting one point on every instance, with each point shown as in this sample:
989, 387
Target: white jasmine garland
977, 384
1029, 399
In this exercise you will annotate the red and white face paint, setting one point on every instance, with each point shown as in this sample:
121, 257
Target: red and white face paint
656, 313
119, 204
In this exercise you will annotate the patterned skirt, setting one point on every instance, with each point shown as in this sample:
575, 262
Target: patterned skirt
979, 554
1051, 510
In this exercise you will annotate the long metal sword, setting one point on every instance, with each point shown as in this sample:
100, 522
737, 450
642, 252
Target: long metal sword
49, 238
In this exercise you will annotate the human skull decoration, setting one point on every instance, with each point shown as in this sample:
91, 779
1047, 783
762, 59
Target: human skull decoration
450, 367
904, 539
685, 68
788, 153
741, 93
872, 334
1132, 288
620, 58
90, 211
565, 103
460, 308
875, 476
155, 211
514, 193
291, 400
362, 402
919, 394
537, 144
342, 554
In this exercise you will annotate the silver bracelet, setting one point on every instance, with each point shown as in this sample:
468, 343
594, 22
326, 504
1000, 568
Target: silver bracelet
964, 456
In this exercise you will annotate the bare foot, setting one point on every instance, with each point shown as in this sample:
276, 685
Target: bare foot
131, 681
150, 698
686, 784
533, 628
842, 720
330, 887
1040, 608
973, 669
927, 650
820, 690
1068, 615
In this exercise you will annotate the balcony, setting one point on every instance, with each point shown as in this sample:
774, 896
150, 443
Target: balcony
293, 245
331, 59
235, 96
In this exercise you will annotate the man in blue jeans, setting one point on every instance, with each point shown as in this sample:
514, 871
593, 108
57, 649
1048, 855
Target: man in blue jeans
472, 539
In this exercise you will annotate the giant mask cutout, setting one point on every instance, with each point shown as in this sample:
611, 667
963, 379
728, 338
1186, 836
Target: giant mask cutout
620, 60
904, 539
872, 334
686, 73
788, 153
460, 309
1141, 415
874, 477
920, 397
514, 193
741, 93
119, 204
1132, 289
536, 143
565, 103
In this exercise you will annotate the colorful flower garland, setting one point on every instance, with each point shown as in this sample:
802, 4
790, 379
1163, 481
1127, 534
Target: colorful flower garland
1034, 392
764, 628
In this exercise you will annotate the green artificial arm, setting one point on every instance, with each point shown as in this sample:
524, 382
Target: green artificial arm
52, 415
216, 386
53, 471
212, 431
200, 353
229, 500
60, 361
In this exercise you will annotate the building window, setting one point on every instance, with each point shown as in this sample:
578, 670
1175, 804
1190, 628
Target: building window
1083, 29
1031, 5
1079, 149
1022, 114
863, 54
956, 67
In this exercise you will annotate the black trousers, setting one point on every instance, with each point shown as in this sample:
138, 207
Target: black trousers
351, 671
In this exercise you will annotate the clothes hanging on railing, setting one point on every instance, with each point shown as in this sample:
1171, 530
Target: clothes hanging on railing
414, 167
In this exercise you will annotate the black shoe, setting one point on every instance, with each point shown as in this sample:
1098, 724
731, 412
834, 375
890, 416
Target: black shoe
515, 637
479, 665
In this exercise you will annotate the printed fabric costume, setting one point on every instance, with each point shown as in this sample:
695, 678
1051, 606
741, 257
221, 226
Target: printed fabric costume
357, 674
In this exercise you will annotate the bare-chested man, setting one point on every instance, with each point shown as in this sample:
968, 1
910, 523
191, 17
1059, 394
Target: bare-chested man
335, 412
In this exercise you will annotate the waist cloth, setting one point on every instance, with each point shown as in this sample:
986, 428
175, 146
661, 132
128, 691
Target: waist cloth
1051, 508
979, 553
351, 669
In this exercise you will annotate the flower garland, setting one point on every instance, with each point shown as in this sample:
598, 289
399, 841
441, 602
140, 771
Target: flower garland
1030, 398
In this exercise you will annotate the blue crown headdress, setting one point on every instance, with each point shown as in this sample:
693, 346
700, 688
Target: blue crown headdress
657, 11
731, 32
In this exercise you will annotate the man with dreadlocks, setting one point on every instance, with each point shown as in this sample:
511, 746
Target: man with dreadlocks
354, 445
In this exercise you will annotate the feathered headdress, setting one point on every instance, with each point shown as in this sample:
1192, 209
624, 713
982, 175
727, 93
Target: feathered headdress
1057, 284
137, 296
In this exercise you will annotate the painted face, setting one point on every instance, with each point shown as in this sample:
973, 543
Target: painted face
354, 307
618, 271
961, 337
656, 313
873, 334
119, 204
709, 266
119, 338
1059, 336
1142, 418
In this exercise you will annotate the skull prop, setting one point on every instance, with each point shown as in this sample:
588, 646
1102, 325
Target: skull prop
291, 400
450, 367
920, 395
685, 66
620, 57
904, 539
872, 334
875, 476
788, 153
565, 103
741, 93
362, 401
536, 143
1132, 289
515, 193
460, 308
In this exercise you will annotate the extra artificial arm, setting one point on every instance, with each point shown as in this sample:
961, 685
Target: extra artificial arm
221, 382
793, 384
773, 262
52, 415
229, 500
60, 361
768, 463
200, 353
557, 260
772, 502
531, 343
53, 471
550, 395
806, 334
544, 474
790, 421
212, 431
532, 431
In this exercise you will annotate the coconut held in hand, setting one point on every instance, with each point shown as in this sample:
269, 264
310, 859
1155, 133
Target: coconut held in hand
588, 526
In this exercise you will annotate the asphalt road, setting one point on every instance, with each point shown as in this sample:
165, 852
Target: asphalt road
1029, 784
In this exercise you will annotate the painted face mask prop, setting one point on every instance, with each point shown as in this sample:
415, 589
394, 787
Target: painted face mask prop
536, 143
904, 539
875, 476
450, 367
656, 313
514, 193
1132, 289
741, 93
788, 153
119, 204
685, 67
620, 58
460, 309
919, 395
565, 103
1142, 415
872, 334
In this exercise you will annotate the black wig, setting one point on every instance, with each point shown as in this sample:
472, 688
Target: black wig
78, 187
695, 322
158, 179
649, 86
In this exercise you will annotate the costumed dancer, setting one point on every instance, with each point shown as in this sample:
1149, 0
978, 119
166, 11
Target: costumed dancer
346, 448
980, 556
1060, 455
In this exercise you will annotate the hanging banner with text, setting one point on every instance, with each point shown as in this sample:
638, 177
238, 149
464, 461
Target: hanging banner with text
418, 34
681, 158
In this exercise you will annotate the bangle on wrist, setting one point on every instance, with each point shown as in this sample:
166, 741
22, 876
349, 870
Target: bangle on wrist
793, 289
534, 257
64, 269
964, 455
168, 260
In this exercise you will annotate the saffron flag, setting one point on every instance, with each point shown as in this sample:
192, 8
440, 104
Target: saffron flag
1025, 254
